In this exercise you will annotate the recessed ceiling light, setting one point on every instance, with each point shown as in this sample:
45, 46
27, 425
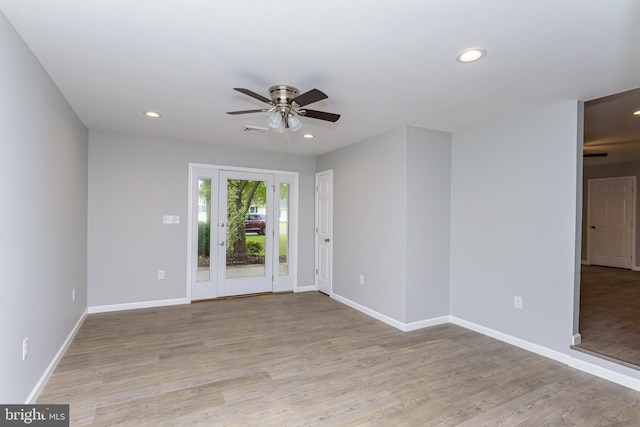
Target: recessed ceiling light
152, 114
636, 113
308, 135
471, 55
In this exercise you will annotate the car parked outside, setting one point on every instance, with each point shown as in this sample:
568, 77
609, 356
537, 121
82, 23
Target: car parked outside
255, 223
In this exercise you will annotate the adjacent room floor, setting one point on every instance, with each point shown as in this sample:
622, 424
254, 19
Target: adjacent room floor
306, 359
610, 313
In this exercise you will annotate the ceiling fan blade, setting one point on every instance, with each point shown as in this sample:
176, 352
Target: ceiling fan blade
595, 155
322, 115
247, 111
253, 95
314, 95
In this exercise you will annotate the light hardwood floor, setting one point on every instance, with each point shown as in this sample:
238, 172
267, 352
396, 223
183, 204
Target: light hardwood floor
305, 359
610, 313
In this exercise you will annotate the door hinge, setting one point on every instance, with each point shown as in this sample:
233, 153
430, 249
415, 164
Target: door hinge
317, 188
274, 188
316, 271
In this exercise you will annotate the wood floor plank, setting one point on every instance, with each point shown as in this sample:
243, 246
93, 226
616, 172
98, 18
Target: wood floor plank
610, 313
307, 360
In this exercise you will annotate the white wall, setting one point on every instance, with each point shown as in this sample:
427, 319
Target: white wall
428, 223
43, 185
369, 222
513, 225
133, 182
391, 223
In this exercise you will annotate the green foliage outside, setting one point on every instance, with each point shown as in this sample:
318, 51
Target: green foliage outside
261, 239
255, 248
203, 239
241, 194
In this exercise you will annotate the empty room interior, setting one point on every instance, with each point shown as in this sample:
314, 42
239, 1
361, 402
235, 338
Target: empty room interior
392, 213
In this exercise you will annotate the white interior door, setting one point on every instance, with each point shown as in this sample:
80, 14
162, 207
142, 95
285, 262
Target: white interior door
245, 256
324, 231
611, 210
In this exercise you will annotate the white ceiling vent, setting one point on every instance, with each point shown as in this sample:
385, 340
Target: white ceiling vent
254, 130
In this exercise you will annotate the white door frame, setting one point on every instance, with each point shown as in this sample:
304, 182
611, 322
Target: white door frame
633, 217
323, 242
280, 283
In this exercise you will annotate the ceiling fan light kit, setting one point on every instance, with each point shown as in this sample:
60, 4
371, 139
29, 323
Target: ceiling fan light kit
275, 120
287, 106
294, 123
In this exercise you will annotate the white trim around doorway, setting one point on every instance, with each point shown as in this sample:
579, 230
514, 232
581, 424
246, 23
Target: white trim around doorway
288, 177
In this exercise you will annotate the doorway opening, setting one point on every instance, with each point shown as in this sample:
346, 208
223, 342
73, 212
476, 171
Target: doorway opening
609, 292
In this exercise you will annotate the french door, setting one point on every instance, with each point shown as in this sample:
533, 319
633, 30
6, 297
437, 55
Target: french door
242, 232
244, 266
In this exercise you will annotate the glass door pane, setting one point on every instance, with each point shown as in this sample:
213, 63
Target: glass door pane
283, 233
246, 225
204, 230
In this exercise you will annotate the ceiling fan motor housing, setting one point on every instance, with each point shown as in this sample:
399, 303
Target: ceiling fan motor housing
283, 95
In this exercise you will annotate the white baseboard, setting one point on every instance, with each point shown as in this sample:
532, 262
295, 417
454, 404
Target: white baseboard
605, 372
427, 323
381, 317
576, 339
136, 305
518, 342
633, 267
305, 289
33, 396
405, 327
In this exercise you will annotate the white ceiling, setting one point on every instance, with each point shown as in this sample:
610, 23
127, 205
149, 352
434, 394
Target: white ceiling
382, 63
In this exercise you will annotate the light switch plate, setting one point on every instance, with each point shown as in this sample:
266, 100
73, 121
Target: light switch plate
171, 219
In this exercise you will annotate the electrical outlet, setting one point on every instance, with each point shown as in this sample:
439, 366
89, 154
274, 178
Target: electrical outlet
73, 295
25, 348
517, 302
160, 274
361, 279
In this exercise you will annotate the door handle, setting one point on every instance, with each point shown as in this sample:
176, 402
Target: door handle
593, 227
221, 242
327, 240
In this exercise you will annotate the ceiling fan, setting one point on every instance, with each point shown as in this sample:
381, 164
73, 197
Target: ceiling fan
287, 105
